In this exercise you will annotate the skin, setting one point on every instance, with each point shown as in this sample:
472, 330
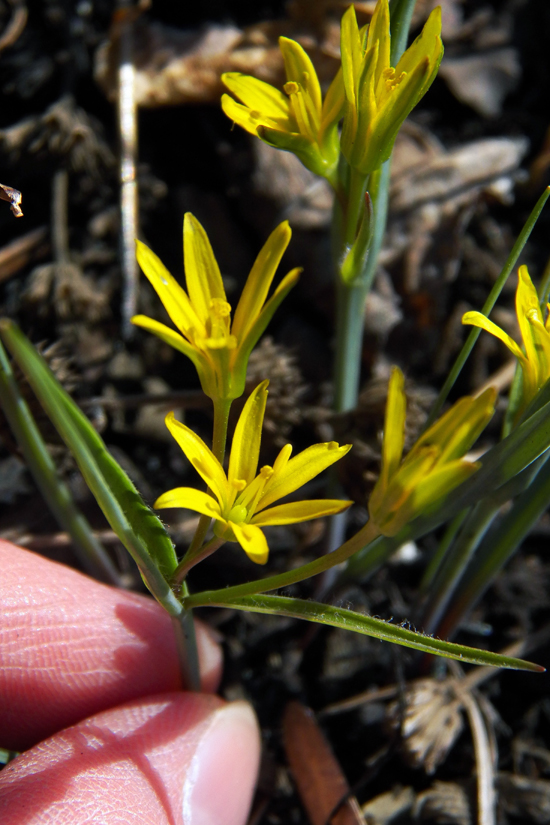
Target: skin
93, 672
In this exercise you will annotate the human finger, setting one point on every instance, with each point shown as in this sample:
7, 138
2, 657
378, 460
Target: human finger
70, 647
173, 759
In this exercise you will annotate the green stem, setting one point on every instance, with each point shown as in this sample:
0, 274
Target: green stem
184, 625
498, 547
91, 552
448, 576
186, 643
222, 407
367, 534
354, 208
487, 307
190, 560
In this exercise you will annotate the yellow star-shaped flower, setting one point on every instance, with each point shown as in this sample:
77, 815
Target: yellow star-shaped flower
435, 465
240, 501
218, 348
379, 96
296, 119
535, 333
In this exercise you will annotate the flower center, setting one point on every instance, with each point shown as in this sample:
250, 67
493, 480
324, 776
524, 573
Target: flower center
237, 514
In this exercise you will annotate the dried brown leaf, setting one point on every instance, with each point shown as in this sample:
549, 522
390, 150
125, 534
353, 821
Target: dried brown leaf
318, 776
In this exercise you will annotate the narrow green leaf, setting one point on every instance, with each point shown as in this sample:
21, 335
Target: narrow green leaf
90, 551
487, 306
135, 524
359, 623
498, 546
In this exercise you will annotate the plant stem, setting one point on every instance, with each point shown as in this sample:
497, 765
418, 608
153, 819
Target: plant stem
184, 625
186, 643
367, 534
222, 407
190, 561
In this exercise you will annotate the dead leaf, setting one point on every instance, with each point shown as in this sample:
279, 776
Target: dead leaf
483, 80
318, 776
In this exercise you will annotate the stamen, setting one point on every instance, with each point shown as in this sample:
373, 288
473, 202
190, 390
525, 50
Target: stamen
291, 88
239, 484
220, 308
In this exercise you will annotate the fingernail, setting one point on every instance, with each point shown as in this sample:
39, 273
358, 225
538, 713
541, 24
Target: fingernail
222, 774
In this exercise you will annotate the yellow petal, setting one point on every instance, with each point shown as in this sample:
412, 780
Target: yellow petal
427, 44
189, 499
351, 54
384, 503
252, 333
259, 96
252, 540
167, 335
479, 320
202, 274
245, 448
301, 469
299, 68
171, 294
439, 484
458, 429
297, 511
259, 281
201, 457
394, 427
379, 32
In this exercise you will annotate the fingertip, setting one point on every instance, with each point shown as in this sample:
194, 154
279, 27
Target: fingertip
176, 758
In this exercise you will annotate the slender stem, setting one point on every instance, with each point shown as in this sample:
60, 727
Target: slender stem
190, 561
487, 307
441, 552
449, 574
222, 407
367, 534
188, 655
349, 344
184, 625
354, 207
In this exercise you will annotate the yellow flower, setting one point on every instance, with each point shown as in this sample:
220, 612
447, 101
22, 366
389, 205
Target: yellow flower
239, 499
298, 120
535, 361
378, 96
218, 349
434, 466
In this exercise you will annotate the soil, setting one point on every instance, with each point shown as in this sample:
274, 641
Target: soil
444, 249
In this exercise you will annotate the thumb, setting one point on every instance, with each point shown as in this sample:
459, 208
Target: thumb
172, 759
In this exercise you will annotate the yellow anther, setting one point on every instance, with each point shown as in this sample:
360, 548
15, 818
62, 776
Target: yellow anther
266, 471
291, 88
239, 484
220, 308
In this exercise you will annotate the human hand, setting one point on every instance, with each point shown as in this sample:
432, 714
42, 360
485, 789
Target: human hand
72, 649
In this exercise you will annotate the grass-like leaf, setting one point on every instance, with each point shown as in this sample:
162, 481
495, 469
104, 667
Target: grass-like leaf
138, 528
359, 623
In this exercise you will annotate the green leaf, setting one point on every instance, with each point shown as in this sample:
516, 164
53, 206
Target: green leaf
487, 306
359, 623
90, 551
135, 524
